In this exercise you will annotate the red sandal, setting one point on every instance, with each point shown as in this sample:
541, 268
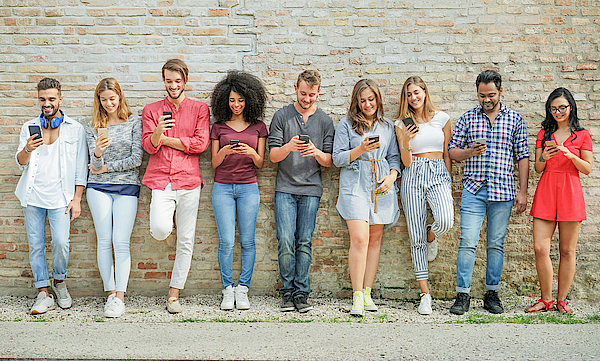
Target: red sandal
548, 306
563, 305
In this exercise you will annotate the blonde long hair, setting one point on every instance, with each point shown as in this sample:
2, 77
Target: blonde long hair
356, 117
406, 110
99, 114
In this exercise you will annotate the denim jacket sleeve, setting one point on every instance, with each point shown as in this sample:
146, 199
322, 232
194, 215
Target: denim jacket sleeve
393, 153
342, 146
81, 168
23, 136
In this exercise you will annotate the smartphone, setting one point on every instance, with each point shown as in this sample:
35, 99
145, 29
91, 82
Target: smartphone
35, 129
304, 138
103, 131
234, 143
373, 139
169, 115
480, 141
408, 121
550, 143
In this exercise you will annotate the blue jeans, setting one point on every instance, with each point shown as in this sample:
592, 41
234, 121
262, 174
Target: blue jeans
473, 208
35, 224
227, 200
114, 216
295, 217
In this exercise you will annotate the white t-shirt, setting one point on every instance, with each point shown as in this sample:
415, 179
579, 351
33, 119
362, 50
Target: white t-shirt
430, 137
47, 188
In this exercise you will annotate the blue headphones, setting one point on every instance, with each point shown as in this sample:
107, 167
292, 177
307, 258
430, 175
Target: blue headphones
54, 123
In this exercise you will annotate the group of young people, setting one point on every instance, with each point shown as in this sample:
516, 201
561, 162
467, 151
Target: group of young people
59, 158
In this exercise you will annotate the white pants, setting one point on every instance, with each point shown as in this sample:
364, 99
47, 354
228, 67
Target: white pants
184, 203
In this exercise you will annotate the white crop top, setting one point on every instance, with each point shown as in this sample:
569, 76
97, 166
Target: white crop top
430, 137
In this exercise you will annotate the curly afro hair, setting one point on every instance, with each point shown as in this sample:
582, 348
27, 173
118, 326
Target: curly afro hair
248, 87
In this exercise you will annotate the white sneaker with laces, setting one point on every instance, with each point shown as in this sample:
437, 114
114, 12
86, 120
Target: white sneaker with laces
369, 304
114, 307
432, 250
228, 298
108, 301
63, 298
358, 304
43, 303
241, 298
173, 305
425, 305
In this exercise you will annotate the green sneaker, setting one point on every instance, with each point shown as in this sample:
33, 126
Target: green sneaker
358, 304
369, 304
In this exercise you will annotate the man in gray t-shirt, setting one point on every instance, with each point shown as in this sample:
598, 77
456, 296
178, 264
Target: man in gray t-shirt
300, 141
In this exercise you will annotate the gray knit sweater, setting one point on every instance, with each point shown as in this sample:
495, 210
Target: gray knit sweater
123, 156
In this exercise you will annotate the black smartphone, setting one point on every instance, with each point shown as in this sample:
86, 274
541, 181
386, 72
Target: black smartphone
169, 115
304, 138
234, 143
408, 121
373, 139
35, 129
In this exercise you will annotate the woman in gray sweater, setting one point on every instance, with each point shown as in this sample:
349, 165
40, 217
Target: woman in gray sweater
114, 139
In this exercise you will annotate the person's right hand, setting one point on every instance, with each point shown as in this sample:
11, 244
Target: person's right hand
410, 132
164, 123
33, 144
477, 149
367, 146
550, 152
296, 145
102, 142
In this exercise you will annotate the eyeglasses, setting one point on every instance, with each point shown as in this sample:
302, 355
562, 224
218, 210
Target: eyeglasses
561, 109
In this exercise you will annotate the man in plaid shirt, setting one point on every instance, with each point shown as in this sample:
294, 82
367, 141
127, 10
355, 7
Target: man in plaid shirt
488, 138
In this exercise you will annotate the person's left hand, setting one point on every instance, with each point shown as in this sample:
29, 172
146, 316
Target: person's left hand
520, 202
243, 148
387, 183
566, 152
75, 208
104, 169
310, 150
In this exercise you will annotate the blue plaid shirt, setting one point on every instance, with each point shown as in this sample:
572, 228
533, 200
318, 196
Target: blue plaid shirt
506, 141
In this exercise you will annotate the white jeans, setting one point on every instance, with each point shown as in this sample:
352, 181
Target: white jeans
114, 216
184, 203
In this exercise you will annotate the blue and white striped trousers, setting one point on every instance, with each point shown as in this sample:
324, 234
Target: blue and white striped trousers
426, 180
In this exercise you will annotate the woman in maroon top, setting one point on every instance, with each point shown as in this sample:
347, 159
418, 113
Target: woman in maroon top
238, 140
562, 150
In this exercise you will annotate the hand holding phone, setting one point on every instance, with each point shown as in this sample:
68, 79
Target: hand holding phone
374, 139
234, 143
304, 138
550, 143
35, 129
481, 141
103, 131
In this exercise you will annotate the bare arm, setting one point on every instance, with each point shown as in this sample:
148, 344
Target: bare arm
75, 204
447, 134
521, 199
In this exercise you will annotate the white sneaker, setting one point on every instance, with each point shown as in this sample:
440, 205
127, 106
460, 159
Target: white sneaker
228, 298
432, 250
358, 304
43, 303
108, 301
114, 307
63, 298
241, 298
173, 305
369, 304
425, 306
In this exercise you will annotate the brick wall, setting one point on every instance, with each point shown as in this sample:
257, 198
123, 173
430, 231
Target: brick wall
537, 45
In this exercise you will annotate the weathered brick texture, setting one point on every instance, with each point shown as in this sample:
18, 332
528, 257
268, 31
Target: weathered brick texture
536, 46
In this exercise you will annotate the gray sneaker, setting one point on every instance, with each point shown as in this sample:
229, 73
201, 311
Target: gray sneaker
63, 298
287, 302
302, 304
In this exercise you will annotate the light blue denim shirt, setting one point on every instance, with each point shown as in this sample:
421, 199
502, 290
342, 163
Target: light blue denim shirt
73, 159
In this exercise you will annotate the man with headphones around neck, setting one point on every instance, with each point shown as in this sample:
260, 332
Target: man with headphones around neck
51, 186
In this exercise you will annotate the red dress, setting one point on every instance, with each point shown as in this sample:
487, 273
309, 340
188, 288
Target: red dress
559, 196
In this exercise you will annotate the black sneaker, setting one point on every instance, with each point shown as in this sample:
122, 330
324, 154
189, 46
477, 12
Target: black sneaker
302, 304
461, 304
287, 302
491, 302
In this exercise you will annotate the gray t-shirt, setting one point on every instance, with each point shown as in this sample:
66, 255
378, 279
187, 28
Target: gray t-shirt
297, 174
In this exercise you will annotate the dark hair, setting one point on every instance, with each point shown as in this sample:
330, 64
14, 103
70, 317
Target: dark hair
355, 115
550, 125
49, 83
248, 87
311, 77
176, 65
489, 76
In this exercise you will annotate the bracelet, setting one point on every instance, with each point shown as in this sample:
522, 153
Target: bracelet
408, 150
541, 158
27, 149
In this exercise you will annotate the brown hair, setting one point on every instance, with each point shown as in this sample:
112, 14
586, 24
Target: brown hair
406, 110
355, 116
99, 114
311, 77
178, 66
49, 83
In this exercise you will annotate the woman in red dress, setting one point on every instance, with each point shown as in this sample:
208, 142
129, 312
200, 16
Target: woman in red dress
562, 150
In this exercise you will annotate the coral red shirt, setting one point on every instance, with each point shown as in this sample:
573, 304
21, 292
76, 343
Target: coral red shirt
168, 165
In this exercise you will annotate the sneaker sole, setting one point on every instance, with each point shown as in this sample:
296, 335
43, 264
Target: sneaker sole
425, 313
226, 308
458, 312
371, 308
36, 312
287, 309
242, 308
305, 309
357, 313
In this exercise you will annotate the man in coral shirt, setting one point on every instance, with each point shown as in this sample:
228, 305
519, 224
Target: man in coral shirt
175, 131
